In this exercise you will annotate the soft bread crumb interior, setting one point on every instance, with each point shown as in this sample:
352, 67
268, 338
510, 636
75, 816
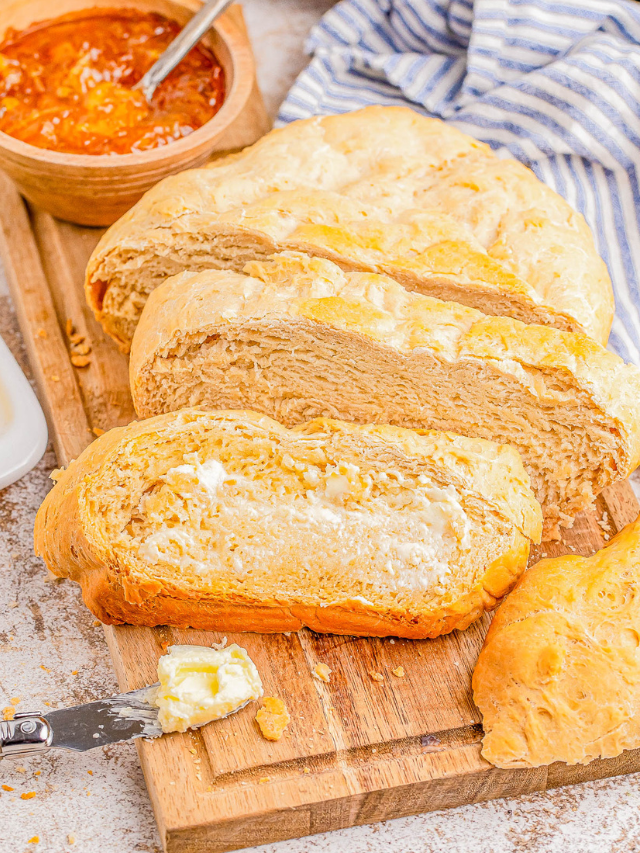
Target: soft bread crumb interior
250, 517
121, 300
297, 371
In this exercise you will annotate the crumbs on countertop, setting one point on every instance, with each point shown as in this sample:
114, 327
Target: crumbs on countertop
376, 676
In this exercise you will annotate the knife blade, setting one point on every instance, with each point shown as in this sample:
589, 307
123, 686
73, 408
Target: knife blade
82, 727
106, 721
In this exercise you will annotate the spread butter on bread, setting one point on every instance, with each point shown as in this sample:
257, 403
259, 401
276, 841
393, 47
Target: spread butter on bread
229, 521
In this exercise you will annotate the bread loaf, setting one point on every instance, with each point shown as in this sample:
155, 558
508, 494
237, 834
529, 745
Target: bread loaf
382, 189
228, 521
298, 338
558, 678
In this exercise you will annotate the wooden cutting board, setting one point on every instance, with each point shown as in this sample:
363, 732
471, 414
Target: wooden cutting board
357, 750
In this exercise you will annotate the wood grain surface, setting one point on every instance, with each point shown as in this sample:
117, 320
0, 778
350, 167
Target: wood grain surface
357, 750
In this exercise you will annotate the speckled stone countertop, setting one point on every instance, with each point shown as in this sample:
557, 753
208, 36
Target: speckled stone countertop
52, 654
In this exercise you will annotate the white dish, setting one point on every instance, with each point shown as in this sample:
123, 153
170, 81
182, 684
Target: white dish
23, 429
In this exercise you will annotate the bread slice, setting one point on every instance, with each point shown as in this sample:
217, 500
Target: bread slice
558, 678
382, 190
228, 521
298, 338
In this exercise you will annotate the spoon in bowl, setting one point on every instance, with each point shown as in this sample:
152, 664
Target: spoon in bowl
186, 39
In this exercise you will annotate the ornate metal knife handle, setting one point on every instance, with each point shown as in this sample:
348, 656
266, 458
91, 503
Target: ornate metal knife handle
25, 734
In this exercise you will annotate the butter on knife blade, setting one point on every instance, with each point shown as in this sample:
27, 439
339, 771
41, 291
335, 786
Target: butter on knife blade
197, 685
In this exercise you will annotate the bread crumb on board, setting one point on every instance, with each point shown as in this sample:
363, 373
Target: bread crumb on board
604, 521
605, 526
80, 360
376, 676
322, 672
398, 672
80, 349
273, 718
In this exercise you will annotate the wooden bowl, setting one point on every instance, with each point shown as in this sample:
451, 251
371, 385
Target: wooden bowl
98, 189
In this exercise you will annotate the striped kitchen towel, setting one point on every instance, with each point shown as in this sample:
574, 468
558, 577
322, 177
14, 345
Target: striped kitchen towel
554, 84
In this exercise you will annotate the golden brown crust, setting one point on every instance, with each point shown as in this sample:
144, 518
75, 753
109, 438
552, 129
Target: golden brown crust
68, 537
425, 204
558, 678
109, 600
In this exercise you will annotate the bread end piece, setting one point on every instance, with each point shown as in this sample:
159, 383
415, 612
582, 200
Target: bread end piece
558, 678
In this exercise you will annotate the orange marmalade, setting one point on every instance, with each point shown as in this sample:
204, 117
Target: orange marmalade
66, 84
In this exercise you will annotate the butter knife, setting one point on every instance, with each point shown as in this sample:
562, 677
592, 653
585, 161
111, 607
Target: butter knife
82, 727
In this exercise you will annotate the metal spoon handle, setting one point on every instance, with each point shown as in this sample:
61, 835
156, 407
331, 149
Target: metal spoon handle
181, 45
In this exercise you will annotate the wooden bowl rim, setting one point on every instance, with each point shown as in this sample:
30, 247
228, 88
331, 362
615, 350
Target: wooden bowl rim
243, 72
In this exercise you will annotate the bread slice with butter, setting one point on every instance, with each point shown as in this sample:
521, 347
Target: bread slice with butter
558, 678
229, 521
382, 189
297, 337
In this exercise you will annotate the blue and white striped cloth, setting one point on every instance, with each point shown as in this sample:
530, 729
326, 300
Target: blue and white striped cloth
554, 84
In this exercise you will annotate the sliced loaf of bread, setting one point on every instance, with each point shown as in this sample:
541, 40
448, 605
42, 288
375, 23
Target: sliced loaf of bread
297, 338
